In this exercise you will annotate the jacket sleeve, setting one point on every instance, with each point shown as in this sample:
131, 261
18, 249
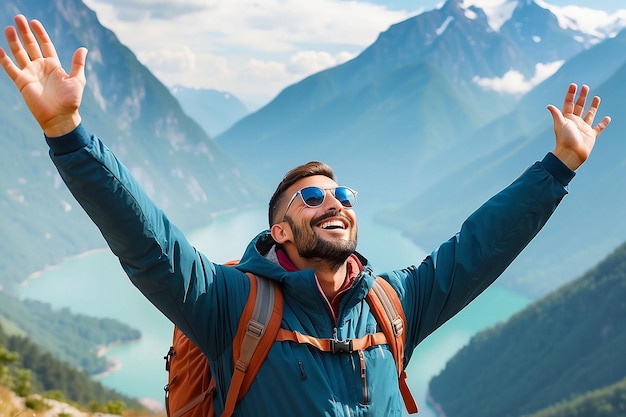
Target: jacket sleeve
489, 240
157, 257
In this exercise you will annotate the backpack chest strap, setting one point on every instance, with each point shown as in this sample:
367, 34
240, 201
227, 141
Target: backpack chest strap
333, 345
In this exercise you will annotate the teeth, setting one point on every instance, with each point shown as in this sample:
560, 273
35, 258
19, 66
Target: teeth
333, 224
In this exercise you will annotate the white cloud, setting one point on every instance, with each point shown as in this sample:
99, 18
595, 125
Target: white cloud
305, 62
598, 23
514, 82
246, 47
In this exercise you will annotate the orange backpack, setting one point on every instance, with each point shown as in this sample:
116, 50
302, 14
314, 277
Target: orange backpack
190, 388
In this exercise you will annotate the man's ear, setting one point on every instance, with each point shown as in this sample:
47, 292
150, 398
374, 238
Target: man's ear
280, 232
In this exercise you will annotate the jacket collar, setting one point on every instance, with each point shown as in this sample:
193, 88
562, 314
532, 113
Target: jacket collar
300, 284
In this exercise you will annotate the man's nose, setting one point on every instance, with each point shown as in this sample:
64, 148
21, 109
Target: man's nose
333, 202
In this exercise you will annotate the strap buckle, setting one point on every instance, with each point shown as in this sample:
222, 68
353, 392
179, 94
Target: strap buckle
337, 346
168, 358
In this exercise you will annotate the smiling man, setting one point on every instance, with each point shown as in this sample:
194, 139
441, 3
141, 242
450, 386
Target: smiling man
309, 250
316, 228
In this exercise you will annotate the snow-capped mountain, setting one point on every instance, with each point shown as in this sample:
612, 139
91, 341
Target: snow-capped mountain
481, 40
594, 24
597, 24
482, 54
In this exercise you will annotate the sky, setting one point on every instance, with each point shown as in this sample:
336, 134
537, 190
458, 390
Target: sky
255, 48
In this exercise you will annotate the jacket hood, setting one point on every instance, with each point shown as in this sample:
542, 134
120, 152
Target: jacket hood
301, 285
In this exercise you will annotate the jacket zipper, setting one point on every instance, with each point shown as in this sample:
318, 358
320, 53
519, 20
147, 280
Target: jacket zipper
366, 398
362, 367
361, 355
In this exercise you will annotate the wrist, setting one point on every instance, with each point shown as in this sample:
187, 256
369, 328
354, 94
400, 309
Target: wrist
570, 158
61, 125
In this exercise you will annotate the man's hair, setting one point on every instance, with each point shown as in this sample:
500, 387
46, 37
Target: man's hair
307, 170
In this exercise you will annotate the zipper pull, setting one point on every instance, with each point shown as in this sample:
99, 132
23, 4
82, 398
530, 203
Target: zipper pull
366, 396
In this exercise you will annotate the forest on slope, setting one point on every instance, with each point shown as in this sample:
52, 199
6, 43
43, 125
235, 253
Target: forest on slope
75, 339
563, 346
27, 368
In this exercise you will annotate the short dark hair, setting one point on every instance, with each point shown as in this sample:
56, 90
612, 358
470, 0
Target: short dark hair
306, 170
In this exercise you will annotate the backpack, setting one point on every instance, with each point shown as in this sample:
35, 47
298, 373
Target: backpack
190, 388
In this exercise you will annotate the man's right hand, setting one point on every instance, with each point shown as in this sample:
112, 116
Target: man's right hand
52, 95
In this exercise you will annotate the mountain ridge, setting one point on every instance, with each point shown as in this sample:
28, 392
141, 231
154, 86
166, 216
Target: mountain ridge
188, 175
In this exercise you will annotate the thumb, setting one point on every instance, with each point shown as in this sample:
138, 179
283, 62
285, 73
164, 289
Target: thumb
557, 116
78, 64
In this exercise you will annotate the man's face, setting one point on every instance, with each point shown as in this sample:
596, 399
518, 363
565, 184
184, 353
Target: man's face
327, 232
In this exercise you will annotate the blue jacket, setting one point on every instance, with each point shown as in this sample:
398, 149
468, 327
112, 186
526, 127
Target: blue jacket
206, 299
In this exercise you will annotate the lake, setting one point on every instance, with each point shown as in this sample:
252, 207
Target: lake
95, 284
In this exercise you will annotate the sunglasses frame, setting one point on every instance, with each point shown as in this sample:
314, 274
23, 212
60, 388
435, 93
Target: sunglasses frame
333, 189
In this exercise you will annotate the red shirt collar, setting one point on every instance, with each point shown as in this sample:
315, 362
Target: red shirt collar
284, 261
354, 267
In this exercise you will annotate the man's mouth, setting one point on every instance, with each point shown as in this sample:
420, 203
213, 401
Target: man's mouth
332, 224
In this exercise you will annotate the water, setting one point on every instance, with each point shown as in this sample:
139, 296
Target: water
95, 284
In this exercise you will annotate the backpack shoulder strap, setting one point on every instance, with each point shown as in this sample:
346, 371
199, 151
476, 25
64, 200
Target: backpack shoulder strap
256, 332
387, 309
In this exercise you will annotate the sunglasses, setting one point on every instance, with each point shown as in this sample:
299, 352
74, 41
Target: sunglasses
314, 196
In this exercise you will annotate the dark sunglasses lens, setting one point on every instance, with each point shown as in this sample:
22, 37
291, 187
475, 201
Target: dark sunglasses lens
312, 196
345, 196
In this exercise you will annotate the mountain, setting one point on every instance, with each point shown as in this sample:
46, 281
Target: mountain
588, 223
401, 107
215, 111
182, 169
275, 138
561, 347
418, 114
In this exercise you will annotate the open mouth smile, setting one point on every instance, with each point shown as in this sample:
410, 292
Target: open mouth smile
333, 224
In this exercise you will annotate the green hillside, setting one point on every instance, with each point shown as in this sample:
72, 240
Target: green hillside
27, 369
567, 344
71, 338
605, 402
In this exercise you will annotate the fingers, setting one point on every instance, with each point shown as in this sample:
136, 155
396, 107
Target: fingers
32, 46
579, 107
576, 106
593, 110
8, 65
21, 57
602, 125
568, 102
47, 47
29, 42
573, 105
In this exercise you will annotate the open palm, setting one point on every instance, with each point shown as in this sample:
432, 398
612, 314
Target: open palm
575, 133
52, 95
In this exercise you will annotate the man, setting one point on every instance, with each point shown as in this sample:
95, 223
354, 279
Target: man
309, 249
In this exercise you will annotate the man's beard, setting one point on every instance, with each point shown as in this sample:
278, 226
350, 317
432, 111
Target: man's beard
310, 246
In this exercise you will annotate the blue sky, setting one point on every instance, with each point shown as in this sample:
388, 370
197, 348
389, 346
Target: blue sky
253, 49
